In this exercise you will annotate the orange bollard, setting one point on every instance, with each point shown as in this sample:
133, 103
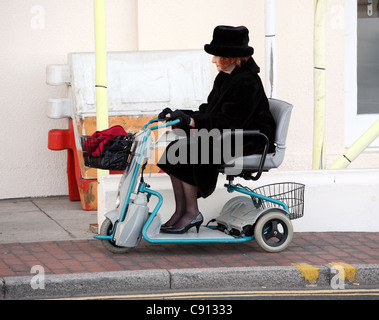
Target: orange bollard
81, 189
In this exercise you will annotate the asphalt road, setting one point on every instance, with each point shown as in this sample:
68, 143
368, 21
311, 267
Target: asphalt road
348, 294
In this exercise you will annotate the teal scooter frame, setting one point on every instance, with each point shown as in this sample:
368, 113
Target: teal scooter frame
130, 220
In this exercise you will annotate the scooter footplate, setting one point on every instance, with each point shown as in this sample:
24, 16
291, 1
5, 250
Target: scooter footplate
204, 233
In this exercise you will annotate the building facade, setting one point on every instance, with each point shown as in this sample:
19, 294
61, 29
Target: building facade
38, 33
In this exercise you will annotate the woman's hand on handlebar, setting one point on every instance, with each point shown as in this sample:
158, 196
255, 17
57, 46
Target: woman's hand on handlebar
165, 114
185, 120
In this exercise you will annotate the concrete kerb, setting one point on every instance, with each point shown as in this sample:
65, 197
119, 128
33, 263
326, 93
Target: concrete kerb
81, 284
238, 278
368, 274
149, 281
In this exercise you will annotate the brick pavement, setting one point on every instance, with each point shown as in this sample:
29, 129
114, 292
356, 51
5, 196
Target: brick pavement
82, 256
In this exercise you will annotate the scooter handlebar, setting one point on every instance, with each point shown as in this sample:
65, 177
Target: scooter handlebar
166, 118
168, 123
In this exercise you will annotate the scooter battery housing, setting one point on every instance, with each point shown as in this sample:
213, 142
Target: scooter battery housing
129, 232
238, 217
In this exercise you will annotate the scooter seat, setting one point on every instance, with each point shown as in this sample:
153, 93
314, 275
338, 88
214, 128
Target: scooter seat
243, 166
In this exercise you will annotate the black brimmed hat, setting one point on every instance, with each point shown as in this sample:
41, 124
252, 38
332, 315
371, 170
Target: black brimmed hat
230, 42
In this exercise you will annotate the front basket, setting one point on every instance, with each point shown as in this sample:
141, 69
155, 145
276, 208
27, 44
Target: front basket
291, 193
107, 154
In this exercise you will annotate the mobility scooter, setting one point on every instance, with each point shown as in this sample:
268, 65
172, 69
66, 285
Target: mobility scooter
263, 214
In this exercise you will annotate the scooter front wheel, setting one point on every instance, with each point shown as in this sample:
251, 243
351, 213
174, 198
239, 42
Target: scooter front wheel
273, 232
106, 229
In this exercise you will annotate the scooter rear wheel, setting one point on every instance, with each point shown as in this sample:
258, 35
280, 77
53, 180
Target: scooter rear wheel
106, 229
273, 231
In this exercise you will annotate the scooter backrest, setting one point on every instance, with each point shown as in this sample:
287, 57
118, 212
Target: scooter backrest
281, 111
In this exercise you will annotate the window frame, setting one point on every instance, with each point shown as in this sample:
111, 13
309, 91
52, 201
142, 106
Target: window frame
355, 124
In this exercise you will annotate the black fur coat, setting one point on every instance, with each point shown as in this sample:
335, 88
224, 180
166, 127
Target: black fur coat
237, 101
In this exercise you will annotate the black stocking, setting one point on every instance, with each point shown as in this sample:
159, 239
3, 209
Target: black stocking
186, 208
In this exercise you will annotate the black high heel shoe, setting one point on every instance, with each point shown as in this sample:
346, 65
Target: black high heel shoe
169, 226
194, 223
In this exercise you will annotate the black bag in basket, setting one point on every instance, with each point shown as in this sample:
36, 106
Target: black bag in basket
104, 151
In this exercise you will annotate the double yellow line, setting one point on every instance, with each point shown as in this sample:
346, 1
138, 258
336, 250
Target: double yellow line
234, 294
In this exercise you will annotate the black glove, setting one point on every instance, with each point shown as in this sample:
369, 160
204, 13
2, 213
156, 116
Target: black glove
185, 119
162, 115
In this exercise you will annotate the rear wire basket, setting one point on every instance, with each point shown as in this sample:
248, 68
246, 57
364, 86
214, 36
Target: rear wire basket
291, 193
107, 154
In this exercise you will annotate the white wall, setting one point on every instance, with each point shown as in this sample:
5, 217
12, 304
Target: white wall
35, 34
334, 200
38, 33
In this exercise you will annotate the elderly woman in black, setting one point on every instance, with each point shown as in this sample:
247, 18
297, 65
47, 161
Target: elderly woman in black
237, 101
